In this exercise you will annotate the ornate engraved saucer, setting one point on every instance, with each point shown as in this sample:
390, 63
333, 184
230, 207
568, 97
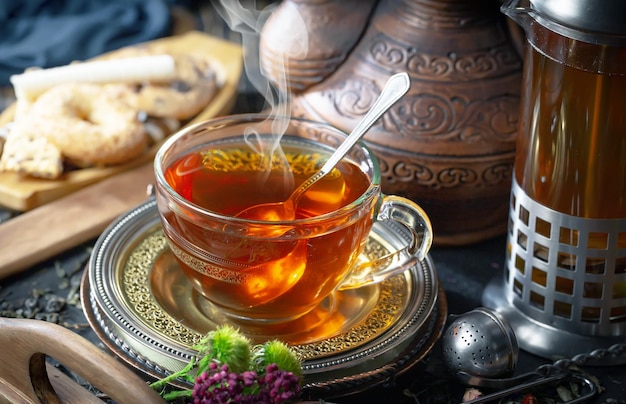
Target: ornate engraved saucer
145, 311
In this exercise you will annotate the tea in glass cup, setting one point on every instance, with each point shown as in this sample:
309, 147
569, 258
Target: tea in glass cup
266, 270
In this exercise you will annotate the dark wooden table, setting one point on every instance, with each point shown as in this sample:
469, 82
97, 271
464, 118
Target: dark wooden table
462, 271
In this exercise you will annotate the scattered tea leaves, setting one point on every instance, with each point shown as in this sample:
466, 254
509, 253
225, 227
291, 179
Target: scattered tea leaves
56, 303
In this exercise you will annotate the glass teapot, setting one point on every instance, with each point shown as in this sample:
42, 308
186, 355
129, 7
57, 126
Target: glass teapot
571, 152
565, 277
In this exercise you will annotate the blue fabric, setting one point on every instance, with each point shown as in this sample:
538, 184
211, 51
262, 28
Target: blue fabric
48, 33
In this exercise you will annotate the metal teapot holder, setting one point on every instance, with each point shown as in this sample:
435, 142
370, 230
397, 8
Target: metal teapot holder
561, 295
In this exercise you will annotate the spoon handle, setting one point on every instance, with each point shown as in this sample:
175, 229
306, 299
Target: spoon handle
396, 87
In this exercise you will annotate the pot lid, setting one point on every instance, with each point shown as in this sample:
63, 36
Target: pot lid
601, 16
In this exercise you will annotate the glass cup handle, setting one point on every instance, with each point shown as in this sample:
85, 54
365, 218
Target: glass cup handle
417, 241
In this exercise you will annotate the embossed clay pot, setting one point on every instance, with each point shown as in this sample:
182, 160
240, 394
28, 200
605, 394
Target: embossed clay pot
449, 143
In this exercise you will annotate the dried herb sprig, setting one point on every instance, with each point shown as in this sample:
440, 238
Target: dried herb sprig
229, 369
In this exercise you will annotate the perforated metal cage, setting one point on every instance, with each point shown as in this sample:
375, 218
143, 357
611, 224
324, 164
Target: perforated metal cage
564, 284
566, 271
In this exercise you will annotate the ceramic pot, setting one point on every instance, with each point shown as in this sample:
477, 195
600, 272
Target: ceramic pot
449, 144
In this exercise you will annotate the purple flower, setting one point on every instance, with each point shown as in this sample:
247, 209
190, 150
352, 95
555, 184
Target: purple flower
219, 386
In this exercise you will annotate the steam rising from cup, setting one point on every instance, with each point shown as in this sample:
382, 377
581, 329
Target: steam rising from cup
248, 22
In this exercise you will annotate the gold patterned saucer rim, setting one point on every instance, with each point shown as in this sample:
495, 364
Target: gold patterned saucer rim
171, 308
130, 230
330, 385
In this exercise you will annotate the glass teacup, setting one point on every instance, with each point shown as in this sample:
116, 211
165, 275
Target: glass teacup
259, 271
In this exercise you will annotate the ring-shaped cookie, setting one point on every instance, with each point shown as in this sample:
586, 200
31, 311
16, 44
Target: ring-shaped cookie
191, 91
88, 125
195, 83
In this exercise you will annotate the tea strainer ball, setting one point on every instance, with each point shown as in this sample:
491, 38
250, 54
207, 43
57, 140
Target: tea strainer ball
481, 343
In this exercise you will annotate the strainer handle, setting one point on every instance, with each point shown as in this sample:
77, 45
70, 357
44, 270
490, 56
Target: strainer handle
591, 388
495, 383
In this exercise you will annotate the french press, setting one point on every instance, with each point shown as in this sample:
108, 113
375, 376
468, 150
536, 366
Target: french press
564, 286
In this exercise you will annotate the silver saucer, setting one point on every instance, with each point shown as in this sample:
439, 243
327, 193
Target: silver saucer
145, 311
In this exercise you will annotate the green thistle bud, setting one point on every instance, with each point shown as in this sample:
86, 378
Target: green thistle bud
279, 353
228, 346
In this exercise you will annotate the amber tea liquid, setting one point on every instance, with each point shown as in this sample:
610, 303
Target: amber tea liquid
266, 277
571, 157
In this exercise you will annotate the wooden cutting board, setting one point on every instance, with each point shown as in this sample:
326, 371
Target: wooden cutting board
23, 194
66, 222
